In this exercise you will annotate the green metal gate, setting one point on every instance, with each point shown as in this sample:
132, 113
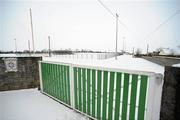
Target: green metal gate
56, 80
104, 101
102, 93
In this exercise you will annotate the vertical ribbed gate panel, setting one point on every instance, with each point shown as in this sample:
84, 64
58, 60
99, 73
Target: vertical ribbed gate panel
56, 81
108, 95
101, 94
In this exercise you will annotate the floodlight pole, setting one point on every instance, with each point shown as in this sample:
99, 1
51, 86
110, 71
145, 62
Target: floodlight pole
29, 47
32, 31
116, 34
49, 46
15, 45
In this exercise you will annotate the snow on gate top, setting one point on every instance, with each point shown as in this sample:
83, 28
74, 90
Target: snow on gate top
123, 62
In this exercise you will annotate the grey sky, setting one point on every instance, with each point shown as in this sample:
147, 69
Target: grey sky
85, 24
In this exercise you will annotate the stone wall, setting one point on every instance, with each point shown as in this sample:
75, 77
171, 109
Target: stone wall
170, 104
27, 75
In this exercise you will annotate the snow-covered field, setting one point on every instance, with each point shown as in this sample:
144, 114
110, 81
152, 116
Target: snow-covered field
30, 104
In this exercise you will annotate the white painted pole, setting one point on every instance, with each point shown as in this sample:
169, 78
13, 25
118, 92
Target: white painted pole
33, 46
116, 34
29, 47
49, 46
15, 45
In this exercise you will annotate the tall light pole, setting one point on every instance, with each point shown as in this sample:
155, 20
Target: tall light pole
15, 44
29, 47
32, 31
49, 46
116, 33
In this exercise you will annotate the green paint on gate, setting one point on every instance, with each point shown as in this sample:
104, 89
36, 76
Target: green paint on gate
62, 83
79, 89
99, 95
84, 89
49, 81
75, 88
65, 90
118, 95
52, 80
61, 79
93, 91
47, 78
56, 82
68, 85
88, 92
133, 97
125, 96
111, 92
142, 97
105, 81
58, 86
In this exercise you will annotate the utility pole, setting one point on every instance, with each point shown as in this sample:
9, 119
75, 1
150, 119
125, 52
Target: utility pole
49, 46
15, 45
116, 34
29, 47
32, 31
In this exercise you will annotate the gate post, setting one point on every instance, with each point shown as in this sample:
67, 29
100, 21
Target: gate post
40, 76
153, 100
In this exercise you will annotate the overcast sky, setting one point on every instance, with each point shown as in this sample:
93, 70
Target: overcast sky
85, 24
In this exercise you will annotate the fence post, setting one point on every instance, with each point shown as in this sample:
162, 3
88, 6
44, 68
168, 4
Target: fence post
153, 100
40, 76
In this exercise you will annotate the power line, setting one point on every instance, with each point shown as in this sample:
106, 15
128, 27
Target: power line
106, 8
164, 22
110, 11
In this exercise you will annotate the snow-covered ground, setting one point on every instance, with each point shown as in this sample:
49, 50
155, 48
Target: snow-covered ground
30, 104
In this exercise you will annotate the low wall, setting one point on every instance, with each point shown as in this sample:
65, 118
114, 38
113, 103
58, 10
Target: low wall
170, 104
26, 76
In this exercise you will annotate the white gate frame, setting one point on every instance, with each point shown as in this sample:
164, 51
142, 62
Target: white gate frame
153, 95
